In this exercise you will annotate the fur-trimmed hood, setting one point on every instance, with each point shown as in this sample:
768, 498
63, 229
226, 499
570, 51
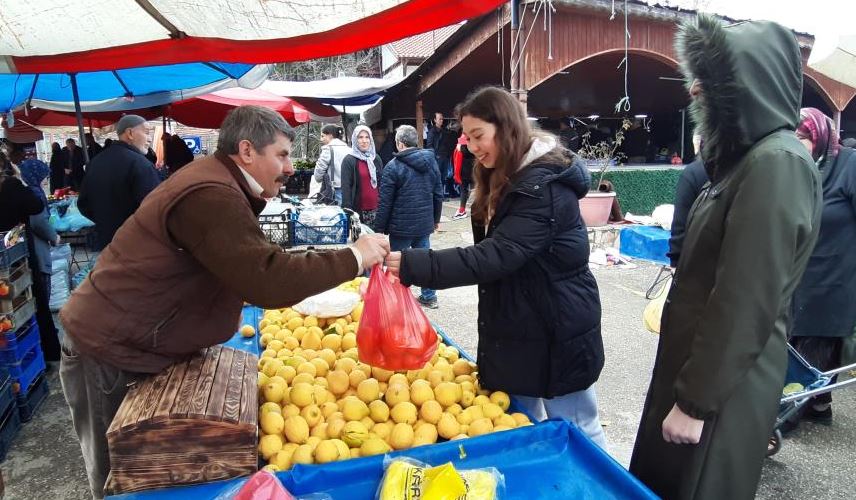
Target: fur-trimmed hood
751, 80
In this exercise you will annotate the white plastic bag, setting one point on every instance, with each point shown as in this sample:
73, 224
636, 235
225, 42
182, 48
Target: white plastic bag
330, 304
663, 216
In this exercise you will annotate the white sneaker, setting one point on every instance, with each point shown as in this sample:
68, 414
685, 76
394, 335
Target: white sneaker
459, 215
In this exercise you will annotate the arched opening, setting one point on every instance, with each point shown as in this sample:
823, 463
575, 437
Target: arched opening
587, 92
848, 119
814, 97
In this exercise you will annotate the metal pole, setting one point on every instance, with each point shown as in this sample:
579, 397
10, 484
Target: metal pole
79, 114
683, 130
306, 141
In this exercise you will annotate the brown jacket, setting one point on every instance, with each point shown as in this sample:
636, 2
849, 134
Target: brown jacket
177, 272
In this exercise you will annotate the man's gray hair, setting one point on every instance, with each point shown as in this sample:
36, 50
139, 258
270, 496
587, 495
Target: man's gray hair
406, 134
256, 124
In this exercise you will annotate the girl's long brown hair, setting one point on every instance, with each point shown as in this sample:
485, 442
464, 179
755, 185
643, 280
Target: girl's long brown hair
513, 138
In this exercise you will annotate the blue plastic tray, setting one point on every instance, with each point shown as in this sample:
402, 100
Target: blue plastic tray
7, 397
19, 343
30, 402
550, 460
13, 254
27, 371
10, 424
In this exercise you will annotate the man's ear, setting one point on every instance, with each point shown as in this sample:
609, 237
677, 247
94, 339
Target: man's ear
246, 151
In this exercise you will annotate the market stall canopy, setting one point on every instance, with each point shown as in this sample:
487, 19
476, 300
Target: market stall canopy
343, 91
20, 133
41, 118
112, 34
840, 65
209, 111
126, 89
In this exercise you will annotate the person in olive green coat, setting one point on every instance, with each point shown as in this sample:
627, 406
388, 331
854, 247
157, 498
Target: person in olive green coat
722, 357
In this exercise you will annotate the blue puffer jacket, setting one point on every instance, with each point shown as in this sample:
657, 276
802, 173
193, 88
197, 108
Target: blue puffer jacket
411, 195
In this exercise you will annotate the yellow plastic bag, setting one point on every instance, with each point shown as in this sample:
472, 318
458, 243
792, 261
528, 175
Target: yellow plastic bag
654, 310
407, 479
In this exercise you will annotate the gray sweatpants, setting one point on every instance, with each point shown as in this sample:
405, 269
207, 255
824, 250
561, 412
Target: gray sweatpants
94, 391
578, 407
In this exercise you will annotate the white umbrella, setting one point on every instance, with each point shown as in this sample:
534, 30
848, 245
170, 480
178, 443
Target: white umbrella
840, 65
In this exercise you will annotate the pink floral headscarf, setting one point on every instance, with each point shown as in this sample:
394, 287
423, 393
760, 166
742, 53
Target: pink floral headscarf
820, 130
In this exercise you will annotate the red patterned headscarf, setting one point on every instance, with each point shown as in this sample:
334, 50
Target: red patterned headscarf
820, 130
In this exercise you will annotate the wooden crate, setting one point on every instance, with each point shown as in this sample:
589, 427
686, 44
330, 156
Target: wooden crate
192, 423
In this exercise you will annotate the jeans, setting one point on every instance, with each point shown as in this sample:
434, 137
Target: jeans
398, 244
578, 407
94, 391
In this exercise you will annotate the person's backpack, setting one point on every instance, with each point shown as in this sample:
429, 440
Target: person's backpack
327, 195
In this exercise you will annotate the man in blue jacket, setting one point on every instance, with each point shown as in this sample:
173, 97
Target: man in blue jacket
411, 199
118, 179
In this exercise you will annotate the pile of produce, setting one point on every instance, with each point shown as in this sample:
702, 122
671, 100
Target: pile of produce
319, 403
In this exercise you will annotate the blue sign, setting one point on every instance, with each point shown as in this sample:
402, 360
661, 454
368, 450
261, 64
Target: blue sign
194, 142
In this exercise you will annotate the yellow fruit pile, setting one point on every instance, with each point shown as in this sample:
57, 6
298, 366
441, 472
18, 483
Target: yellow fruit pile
353, 285
319, 404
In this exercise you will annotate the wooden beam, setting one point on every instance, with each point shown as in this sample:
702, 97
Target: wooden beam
464, 48
420, 123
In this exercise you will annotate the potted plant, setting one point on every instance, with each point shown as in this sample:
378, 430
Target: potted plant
596, 206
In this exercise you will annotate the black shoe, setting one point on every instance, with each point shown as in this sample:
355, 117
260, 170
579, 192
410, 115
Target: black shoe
430, 304
819, 417
789, 426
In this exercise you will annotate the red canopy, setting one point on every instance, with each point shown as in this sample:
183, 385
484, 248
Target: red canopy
209, 110
135, 34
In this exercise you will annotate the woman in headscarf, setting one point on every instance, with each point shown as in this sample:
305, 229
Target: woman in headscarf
361, 175
41, 236
57, 170
823, 309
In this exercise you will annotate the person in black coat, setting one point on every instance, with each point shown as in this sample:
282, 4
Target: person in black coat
361, 173
118, 180
58, 177
692, 179
73, 163
442, 141
92, 147
822, 307
17, 201
411, 200
466, 178
538, 300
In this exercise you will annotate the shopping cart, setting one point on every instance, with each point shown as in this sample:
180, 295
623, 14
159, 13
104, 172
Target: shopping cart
288, 231
814, 383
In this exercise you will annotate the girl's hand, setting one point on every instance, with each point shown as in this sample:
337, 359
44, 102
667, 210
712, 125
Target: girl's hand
393, 263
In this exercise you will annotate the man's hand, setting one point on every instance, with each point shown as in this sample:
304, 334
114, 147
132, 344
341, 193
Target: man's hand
393, 263
373, 249
680, 428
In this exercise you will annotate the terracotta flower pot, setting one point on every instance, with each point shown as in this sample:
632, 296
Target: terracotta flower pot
595, 208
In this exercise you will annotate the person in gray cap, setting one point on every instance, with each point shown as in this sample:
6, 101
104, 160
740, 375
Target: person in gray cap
118, 179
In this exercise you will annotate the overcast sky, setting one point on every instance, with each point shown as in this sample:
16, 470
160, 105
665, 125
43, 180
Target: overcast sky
825, 19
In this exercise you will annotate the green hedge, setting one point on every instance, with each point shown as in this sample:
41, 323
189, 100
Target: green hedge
640, 191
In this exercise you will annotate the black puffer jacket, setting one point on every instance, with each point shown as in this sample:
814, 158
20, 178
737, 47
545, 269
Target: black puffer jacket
411, 195
539, 307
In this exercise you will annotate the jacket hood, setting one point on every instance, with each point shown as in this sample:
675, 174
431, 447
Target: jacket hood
418, 159
573, 174
751, 85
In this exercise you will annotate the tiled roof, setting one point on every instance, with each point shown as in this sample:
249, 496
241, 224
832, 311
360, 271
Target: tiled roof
422, 46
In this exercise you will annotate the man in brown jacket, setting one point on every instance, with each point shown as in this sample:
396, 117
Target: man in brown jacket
176, 274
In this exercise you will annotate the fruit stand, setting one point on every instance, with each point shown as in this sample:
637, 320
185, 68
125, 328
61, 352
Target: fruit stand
326, 421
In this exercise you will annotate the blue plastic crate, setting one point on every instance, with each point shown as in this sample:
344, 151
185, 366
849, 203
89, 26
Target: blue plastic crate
28, 370
29, 403
646, 242
19, 343
10, 424
13, 254
7, 397
336, 233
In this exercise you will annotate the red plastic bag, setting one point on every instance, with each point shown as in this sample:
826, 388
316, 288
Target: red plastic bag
394, 332
263, 486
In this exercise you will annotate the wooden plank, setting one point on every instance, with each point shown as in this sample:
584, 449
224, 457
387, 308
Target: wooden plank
162, 412
159, 383
121, 414
137, 394
217, 399
185, 393
206, 381
250, 392
232, 403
